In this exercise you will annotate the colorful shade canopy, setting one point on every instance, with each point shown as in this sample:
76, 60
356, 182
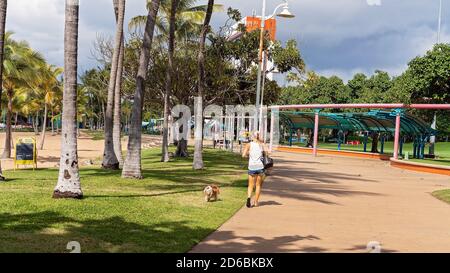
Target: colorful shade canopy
373, 121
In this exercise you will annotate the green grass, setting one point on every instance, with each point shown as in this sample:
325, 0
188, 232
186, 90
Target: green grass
443, 195
441, 161
442, 151
96, 135
165, 212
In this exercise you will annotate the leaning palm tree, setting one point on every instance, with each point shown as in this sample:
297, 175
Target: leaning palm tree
3, 7
26, 101
198, 153
132, 165
69, 185
110, 160
48, 89
19, 70
117, 142
169, 75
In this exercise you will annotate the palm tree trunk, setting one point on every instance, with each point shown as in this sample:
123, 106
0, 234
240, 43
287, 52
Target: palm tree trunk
110, 160
53, 123
57, 126
8, 137
102, 123
198, 150
132, 165
69, 185
44, 127
36, 125
3, 9
117, 141
169, 74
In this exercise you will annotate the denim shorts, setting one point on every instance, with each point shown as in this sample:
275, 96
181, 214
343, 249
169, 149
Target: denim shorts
256, 172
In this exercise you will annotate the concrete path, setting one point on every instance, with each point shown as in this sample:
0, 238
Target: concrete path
338, 204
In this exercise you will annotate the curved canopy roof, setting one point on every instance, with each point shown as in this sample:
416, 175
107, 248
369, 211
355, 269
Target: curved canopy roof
373, 121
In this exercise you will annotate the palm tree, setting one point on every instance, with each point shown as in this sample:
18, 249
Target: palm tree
3, 8
189, 18
132, 165
48, 88
183, 23
69, 185
19, 70
198, 156
117, 143
110, 160
84, 111
126, 108
95, 83
169, 74
26, 102
55, 109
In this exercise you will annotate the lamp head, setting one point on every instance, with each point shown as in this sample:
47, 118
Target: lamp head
286, 13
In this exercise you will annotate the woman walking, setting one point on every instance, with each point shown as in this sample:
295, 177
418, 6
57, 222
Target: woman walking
255, 151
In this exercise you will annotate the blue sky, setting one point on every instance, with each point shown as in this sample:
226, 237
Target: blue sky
336, 37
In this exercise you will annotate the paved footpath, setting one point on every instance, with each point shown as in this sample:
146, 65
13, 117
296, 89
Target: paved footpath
338, 204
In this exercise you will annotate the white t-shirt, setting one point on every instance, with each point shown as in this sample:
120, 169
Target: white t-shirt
255, 155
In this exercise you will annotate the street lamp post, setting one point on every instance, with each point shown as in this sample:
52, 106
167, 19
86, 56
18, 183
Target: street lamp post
439, 22
285, 13
434, 125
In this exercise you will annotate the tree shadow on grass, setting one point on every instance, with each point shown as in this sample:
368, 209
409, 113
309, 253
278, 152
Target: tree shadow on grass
177, 177
180, 169
171, 189
50, 231
140, 195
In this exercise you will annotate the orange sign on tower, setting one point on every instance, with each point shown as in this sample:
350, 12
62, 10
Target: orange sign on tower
253, 23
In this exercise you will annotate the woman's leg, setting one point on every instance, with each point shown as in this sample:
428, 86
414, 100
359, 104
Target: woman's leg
251, 186
259, 182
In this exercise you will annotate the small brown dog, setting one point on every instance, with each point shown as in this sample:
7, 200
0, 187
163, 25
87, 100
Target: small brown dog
211, 193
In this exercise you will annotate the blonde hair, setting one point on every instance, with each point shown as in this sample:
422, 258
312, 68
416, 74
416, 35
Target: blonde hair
256, 136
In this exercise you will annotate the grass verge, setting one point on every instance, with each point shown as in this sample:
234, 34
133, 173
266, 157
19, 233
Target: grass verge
165, 212
443, 195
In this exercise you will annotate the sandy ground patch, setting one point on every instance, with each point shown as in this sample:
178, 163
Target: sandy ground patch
88, 149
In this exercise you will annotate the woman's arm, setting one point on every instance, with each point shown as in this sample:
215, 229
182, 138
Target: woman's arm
246, 150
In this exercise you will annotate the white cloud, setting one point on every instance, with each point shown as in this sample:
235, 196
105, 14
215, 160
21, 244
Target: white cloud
41, 23
374, 2
334, 35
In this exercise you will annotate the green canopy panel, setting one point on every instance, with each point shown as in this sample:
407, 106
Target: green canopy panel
373, 121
